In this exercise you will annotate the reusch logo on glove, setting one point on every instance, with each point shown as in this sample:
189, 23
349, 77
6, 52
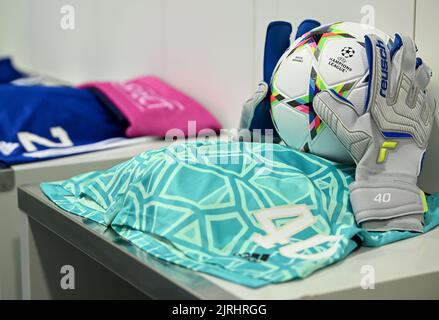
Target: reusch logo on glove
384, 68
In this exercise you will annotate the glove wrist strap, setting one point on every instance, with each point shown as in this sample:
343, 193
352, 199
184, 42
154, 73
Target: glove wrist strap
379, 205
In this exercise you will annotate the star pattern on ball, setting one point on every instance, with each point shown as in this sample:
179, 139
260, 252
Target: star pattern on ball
316, 41
347, 52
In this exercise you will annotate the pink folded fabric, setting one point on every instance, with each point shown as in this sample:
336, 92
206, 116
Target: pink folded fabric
153, 107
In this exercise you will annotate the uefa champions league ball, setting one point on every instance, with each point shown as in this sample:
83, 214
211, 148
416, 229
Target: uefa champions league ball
328, 57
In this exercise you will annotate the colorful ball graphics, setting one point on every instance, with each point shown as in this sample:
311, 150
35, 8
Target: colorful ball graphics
328, 57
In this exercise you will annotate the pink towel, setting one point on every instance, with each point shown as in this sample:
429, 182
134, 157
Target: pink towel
152, 107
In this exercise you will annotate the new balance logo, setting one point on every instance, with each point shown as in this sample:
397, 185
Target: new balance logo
6, 148
384, 68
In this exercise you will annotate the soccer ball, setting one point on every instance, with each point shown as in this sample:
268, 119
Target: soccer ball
328, 57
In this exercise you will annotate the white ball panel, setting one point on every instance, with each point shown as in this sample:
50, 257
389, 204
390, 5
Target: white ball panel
292, 125
329, 147
358, 98
292, 77
334, 68
360, 30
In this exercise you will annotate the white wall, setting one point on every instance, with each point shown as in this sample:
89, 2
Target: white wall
332, 11
203, 47
212, 49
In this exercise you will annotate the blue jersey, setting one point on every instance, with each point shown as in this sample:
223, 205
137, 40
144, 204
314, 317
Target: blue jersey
8, 72
41, 122
250, 213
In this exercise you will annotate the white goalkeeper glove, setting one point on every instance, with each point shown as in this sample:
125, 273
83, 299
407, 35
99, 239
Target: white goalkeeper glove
389, 140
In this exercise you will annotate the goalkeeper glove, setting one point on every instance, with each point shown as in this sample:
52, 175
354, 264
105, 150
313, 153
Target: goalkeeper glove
389, 140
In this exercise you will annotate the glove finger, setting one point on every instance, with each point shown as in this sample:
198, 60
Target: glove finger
250, 105
306, 26
328, 104
403, 56
378, 56
277, 41
340, 116
422, 75
417, 95
430, 101
420, 95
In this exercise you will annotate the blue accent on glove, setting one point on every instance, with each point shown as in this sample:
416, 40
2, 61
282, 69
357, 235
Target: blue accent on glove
341, 97
306, 26
418, 62
390, 134
277, 41
397, 44
369, 53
